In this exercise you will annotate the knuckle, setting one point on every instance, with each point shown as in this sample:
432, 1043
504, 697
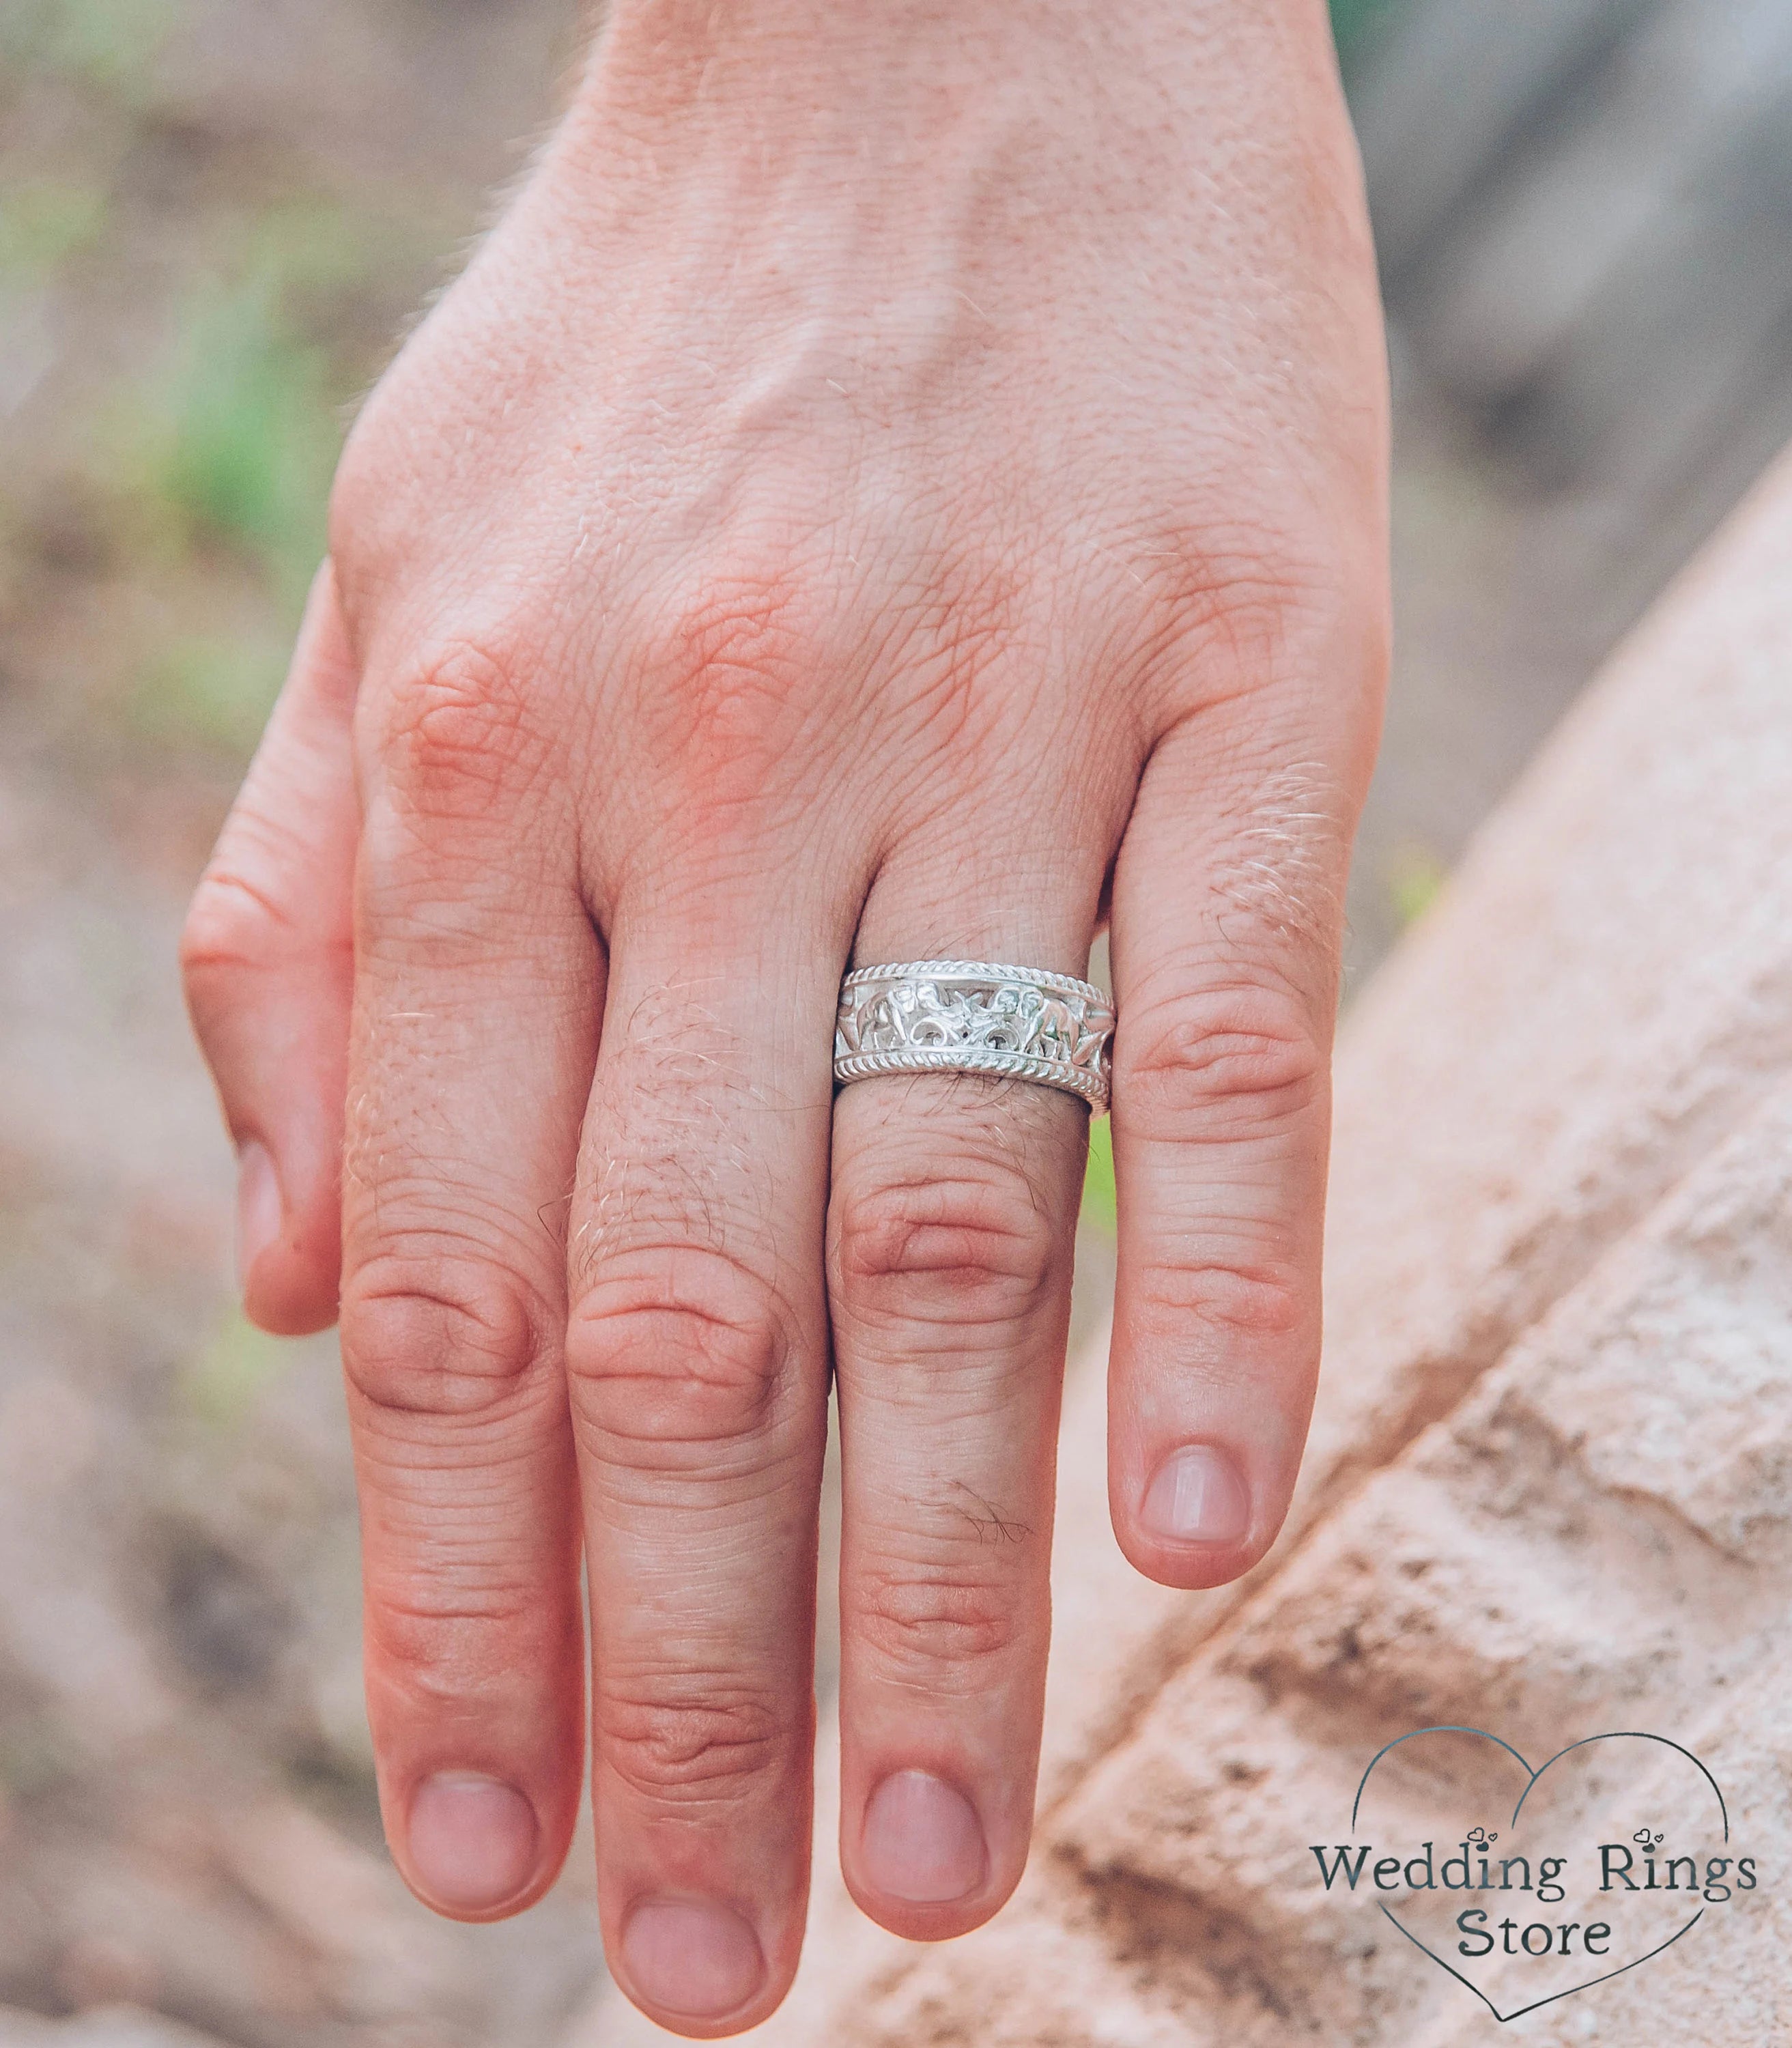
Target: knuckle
947, 1619
452, 1340
709, 1747
1275, 596
726, 674
1264, 573
968, 1247
1218, 1065
437, 1641
1234, 1297
458, 727
232, 927
682, 1351
742, 629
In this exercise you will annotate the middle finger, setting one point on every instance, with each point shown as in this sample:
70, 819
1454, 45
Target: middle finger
697, 1356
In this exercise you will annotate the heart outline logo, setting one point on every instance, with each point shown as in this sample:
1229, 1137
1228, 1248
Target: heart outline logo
1531, 1778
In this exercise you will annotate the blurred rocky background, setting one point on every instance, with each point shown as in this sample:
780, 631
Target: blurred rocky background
216, 216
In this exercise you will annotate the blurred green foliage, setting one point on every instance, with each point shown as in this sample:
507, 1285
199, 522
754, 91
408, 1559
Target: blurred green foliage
45, 222
227, 443
36, 1755
1100, 1206
246, 431
111, 43
225, 449
1414, 876
220, 1386
176, 470
210, 691
1354, 22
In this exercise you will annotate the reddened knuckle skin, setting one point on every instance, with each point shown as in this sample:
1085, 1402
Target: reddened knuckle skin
1218, 1064
711, 1748
451, 1341
980, 1248
459, 726
747, 622
728, 678
943, 1619
680, 1354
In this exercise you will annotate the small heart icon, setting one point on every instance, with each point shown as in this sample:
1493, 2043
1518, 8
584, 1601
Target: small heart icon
1603, 1856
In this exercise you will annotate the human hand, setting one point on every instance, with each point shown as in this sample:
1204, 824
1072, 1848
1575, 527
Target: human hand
897, 482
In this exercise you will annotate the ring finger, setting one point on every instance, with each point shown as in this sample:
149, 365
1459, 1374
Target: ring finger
950, 1234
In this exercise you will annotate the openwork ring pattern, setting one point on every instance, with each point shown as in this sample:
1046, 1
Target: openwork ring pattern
975, 1017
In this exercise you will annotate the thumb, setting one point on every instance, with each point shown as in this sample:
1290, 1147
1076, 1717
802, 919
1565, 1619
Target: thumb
267, 957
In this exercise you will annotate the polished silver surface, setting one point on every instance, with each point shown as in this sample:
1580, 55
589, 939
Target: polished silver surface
975, 1017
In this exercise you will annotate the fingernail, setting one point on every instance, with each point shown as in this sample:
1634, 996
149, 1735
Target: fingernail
690, 1956
257, 1206
922, 1840
473, 1839
1198, 1496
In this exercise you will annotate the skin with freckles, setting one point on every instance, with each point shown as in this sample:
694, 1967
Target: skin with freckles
898, 483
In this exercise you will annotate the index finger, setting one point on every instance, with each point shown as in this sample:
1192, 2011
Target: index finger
267, 955
479, 987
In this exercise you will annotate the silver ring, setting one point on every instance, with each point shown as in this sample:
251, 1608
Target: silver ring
970, 1017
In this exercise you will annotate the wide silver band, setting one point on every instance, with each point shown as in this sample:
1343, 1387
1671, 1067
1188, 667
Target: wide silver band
972, 1017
